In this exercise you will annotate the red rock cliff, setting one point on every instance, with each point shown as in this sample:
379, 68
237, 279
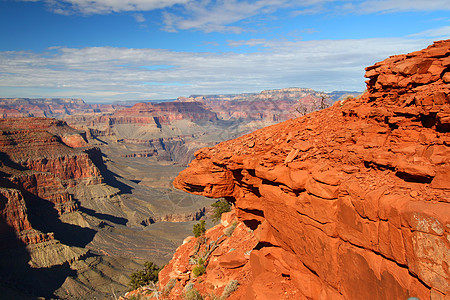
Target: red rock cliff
351, 202
39, 158
47, 145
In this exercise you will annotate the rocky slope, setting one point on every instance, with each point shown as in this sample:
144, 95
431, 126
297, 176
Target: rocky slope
351, 202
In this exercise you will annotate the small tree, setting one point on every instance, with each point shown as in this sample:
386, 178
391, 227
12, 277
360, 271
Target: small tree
220, 207
199, 228
200, 268
302, 109
324, 101
144, 277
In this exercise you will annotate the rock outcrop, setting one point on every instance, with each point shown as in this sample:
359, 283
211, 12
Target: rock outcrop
351, 202
48, 145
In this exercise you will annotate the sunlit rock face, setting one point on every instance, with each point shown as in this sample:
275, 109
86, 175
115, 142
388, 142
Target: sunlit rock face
351, 202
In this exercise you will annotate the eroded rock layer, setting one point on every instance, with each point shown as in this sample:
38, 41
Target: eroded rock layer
351, 202
47, 246
39, 159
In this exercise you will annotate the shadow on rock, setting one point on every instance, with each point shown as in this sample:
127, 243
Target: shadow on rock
110, 178
18, 280
44, 217
105, 217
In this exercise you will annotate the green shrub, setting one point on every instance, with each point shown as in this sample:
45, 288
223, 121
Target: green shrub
145, 276
199, 228
193, 294
229, 289
220, 207
199, 270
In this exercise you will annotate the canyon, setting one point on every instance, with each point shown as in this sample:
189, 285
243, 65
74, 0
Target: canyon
350, 202
69, 225
85, 200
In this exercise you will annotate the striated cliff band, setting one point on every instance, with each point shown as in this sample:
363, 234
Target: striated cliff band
351, 202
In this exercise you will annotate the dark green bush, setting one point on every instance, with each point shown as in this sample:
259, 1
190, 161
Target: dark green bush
220, 207
145, 276
199, 228
198, 270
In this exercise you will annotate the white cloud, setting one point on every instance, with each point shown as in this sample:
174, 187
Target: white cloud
90, 7
390, 6
219, 15
442, 32
251, 43
139, 18
105, 73
224, 15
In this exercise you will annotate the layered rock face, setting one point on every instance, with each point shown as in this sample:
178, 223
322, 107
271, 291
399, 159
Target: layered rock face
351, 202
48, 145
38, 159
150, 114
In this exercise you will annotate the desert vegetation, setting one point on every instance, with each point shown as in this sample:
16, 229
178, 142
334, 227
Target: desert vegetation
144, 277
220, 207
199, 229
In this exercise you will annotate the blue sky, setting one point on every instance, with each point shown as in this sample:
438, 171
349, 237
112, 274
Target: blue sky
107, 50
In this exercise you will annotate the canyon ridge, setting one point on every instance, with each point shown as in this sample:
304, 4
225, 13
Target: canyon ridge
350, 202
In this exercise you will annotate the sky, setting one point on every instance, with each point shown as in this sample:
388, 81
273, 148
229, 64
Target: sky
110, 50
